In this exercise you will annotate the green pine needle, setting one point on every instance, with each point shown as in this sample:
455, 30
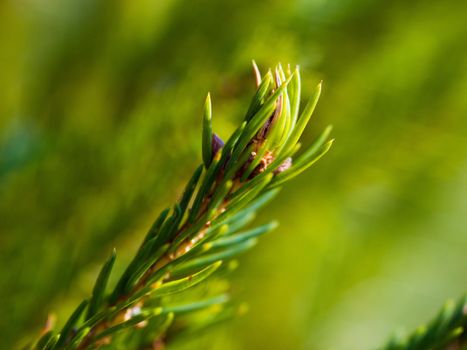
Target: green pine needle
207, 132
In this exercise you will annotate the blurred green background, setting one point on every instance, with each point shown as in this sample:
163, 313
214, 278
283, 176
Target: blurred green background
100, 107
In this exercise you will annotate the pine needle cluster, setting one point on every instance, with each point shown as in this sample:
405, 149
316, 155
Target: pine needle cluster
203, 231
447, 331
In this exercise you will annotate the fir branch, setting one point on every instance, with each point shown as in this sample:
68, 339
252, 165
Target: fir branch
188, 243
448, 330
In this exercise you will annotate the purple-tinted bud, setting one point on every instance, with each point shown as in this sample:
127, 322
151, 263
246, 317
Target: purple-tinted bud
284, 166
217, 144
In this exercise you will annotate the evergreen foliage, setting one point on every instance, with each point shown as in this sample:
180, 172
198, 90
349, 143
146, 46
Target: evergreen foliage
200, 234
448, 330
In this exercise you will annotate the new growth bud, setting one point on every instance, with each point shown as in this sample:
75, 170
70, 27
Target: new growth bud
217, 144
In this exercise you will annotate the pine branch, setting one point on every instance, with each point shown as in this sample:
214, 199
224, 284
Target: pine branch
189, 243
448, 330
